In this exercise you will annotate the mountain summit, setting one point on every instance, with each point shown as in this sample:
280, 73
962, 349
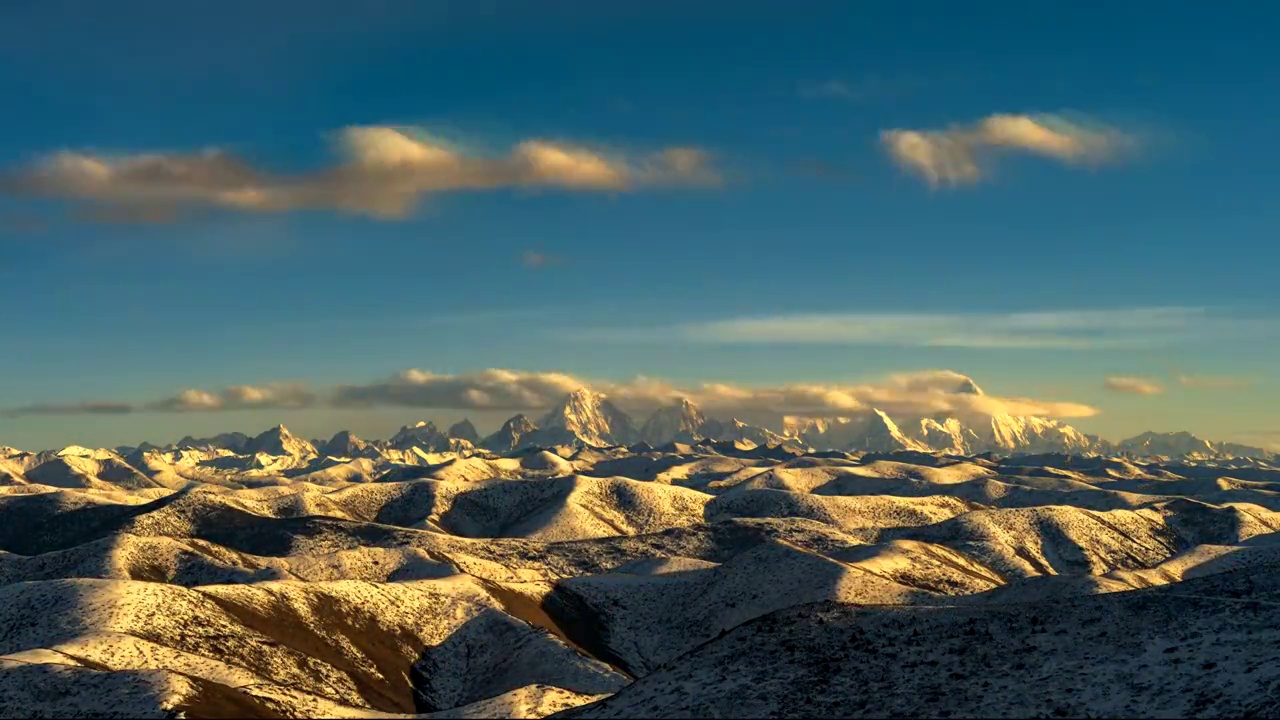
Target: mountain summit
589, 417
680, 422
279, 441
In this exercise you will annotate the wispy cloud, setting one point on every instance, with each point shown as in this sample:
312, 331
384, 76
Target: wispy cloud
937, 392
862, 89
382, 172
962, 154
1066, 329
288, 395
1214, 382
829, 89
90, 407
1133, 385
283, 395
535, 259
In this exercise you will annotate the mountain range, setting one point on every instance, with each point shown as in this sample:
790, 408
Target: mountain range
587, 418
423, 577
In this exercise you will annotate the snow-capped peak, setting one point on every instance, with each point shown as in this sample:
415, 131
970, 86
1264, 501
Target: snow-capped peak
344, 444
588, 416
510, 435
682, 421
278, 441
464, 430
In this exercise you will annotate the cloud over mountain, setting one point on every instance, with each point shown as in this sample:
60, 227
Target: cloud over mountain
918, 393
381, 172
923, 393
962, 154
1133, 385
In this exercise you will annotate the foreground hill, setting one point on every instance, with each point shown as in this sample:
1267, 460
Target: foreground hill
429, 577
1208, 649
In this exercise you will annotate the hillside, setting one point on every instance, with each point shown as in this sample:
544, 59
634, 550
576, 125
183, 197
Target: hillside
268, 576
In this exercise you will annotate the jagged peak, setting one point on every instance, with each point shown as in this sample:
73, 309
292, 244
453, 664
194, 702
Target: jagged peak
519, 420
276, 431
464, 430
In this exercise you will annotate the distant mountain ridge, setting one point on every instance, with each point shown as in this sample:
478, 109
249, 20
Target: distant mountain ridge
588, 418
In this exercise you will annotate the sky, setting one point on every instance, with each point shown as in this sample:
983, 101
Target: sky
221, 216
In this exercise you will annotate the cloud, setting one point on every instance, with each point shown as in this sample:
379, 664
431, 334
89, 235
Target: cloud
381, 172
80, 408
238, 397
837, 89
494, 389
926, 393
534, 259
1133, 385
1064, 330
1212, 382
962, 154
860, 90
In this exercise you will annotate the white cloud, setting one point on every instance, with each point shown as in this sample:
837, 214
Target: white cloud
1065, 330
382, 172
238, 397
1133, 385
962, 154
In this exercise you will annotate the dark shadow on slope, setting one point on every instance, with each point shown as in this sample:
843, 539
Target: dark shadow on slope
274, 537
33, 525
640, 622
382, 686
1203, 650
493, 653
215, 701
639, 467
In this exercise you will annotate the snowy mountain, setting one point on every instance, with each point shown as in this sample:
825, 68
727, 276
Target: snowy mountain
708, 579
278, 441
1184, 444
1011, 433
344, 444
588, 417
511, 436
427, 437
233, 441
464, 430
736, 430
585, 417
681, 422
875, 431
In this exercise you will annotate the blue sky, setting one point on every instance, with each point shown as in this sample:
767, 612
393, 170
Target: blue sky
811, 215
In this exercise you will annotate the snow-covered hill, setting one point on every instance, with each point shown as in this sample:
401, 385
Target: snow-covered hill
707, 568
